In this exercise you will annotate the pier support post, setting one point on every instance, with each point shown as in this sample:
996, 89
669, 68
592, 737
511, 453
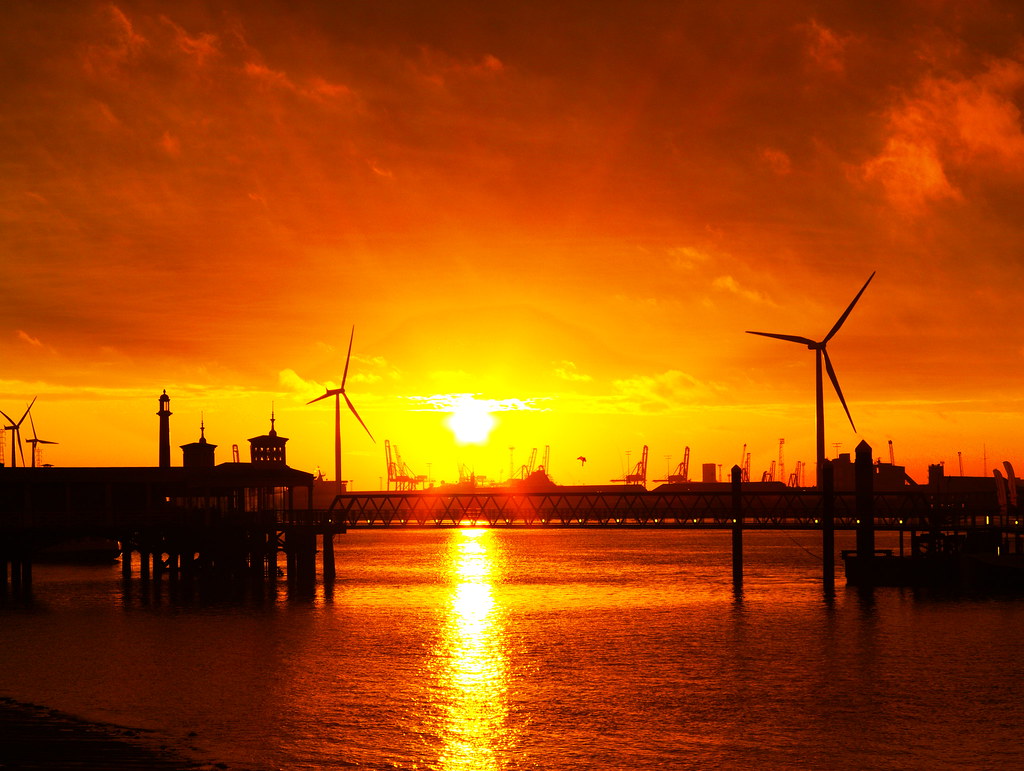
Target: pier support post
328, 556
828, 528
126, 559
864, 474
15, 575
291, 555
737, 527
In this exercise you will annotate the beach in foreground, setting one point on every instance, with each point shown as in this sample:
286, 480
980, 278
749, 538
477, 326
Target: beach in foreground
39, 738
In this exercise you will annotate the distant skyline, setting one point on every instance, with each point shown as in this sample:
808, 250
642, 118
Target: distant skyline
570, 212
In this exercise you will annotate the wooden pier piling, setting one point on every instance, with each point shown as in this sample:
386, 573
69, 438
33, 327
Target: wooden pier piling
828, 528
737, 527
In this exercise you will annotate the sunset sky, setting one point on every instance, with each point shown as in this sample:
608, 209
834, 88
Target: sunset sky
572, 211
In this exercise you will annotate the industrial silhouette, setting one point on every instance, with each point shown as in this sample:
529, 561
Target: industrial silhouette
337, 393
15, 429
821, 353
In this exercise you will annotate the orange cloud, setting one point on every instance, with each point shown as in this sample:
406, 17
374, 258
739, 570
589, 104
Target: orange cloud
732, 286
777, 161
26, 337
911, 173
967, 126
824, 47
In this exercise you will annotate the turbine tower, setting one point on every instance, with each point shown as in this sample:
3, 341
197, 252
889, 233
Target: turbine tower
337, 393
15, 429
35, 441
820, 354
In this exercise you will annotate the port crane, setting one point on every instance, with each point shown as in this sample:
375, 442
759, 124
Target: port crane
399, 473
682, 471
639, 474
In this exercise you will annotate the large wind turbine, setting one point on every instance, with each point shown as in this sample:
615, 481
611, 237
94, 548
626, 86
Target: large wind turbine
819, 354
15, 429
35, 440
337, 393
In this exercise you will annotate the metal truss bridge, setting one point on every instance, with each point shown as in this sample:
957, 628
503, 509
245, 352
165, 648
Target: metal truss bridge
798, 508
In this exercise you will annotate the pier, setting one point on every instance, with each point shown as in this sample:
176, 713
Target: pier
230, 521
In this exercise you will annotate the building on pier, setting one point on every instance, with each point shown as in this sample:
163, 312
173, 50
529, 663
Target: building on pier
232, 516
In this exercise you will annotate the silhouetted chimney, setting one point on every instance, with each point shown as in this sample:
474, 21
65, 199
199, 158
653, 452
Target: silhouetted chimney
165, 430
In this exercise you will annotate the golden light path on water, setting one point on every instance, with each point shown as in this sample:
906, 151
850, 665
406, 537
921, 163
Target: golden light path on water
475, 681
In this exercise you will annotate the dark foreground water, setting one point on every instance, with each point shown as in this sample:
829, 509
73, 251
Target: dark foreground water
567, 649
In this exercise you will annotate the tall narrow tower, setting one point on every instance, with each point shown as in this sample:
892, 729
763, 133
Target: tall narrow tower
165, 430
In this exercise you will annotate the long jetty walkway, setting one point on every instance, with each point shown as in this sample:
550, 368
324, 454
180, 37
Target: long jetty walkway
233, 521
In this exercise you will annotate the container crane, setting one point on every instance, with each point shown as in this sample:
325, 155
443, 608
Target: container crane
399, 474
639, 474
682, 471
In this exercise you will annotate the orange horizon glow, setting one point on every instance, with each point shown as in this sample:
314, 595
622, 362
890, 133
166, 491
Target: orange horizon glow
569, 220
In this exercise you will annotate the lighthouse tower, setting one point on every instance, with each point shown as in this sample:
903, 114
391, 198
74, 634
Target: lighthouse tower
165, 430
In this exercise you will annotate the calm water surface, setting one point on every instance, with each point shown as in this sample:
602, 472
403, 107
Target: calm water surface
549, 649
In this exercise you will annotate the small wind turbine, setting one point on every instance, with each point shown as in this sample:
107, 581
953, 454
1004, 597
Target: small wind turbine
15, 429
820, 354
35, 441
337, 393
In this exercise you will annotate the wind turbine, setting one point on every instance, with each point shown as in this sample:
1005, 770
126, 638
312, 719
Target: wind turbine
35, 440
337, 393
820, 353
15, 429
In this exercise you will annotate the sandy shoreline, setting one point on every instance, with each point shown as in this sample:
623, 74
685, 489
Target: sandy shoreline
34, 737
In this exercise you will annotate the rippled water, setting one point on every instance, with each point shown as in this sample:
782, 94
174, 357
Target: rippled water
547, 649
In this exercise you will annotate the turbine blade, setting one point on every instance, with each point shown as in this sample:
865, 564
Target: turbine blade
32, 423
326, 394
347, 357
46, 441
27, 411
835, 384
352, 407
21, 450
790, 338
847, 311
9, 418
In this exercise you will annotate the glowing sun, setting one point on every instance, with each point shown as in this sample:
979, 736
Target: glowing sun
471, 420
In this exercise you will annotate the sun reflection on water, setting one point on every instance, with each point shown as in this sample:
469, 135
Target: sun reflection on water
475, 691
